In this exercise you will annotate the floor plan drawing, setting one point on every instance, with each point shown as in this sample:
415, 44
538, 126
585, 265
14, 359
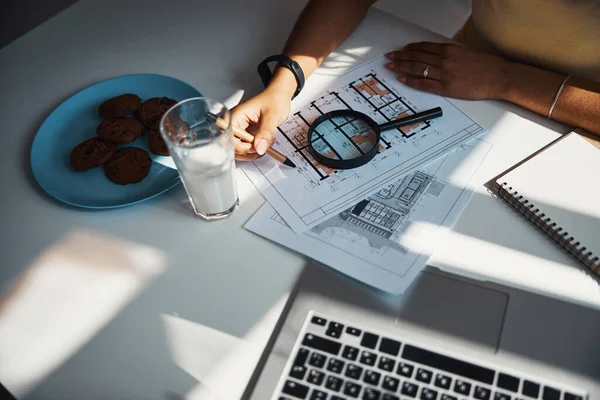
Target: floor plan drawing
368, 240
386, 103
312, 193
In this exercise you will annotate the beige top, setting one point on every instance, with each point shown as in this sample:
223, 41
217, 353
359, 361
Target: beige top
560, 35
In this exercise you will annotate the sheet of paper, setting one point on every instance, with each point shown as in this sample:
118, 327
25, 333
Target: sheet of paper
312, 193
386, 239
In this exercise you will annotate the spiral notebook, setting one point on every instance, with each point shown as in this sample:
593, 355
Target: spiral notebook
558, 190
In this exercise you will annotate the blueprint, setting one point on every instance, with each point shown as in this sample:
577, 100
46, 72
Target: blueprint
386, 239
312, 193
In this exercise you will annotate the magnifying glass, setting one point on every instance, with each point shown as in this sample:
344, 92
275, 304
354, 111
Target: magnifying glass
345, 139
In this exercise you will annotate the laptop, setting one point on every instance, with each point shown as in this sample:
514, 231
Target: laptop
446, 338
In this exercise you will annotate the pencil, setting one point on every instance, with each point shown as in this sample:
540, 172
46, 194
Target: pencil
247, 137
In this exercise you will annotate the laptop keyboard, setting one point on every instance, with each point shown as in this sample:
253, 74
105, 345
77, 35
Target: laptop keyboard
337, 360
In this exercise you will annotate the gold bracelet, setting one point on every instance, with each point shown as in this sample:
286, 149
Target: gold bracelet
555, 100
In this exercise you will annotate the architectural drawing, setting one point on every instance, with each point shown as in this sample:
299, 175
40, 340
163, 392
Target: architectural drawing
378, 217
381, 104
312, 193
367, 240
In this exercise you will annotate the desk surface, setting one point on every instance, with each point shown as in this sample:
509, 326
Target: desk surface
227, 290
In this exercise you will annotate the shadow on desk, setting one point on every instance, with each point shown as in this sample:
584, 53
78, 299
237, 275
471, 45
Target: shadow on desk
135, 362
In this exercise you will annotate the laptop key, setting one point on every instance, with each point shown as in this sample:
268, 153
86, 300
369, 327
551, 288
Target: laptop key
323, 344
389, 346
334, 397
443, 381
336, 326
317, 360
372, 377
386, 364
298, 372
501, 396
550, 393
508, 382
350, 353
532, 389
389, 396
405, 369
315, 377
353, 331
423, 375
462, 387
318, 320
334, 383
480, 393
390, 383
447, 397
335, 365
301, 356
369, 340
353, 371
409, 389
294, 389
352, 389
334, 334
428, 394
371, 394
335, 329
318, 395
368, 358
570, 396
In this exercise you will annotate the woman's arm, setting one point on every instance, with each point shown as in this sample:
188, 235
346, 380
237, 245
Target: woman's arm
534, 88
460, 72
322, 26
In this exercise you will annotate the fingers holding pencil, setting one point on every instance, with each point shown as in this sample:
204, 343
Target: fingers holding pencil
248, 139
260, 116
247, 148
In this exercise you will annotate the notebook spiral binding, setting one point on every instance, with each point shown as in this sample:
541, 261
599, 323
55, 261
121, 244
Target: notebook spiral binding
550, 228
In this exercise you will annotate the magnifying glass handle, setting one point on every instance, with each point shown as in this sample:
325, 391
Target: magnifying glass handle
412, 119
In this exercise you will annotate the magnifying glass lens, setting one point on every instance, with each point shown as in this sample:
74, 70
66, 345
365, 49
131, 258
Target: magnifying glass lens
343, 137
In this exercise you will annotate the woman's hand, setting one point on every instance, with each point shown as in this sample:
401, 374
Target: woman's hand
260, 116
454, 71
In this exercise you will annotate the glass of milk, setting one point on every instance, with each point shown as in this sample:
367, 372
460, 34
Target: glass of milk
198, 134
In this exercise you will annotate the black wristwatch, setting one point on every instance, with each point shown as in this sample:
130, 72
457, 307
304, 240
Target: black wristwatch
282, 61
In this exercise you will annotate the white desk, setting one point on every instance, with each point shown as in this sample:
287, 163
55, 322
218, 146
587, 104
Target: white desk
215, 46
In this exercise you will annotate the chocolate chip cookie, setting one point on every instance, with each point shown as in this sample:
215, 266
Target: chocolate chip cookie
91, 153
121, 106
152, 110
120, 130
128, 165
156, 143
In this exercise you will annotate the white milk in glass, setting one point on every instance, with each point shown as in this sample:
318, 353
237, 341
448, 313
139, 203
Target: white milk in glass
209, 178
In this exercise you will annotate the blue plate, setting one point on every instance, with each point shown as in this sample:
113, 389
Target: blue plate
76, 120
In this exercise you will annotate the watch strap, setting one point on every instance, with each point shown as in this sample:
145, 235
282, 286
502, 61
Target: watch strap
266, 74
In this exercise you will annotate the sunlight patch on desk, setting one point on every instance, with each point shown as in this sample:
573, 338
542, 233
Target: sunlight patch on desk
338, 56
418, 236
359, 51
64, 298
341, 61
461, 176
222, 363
522, 270
246, 190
